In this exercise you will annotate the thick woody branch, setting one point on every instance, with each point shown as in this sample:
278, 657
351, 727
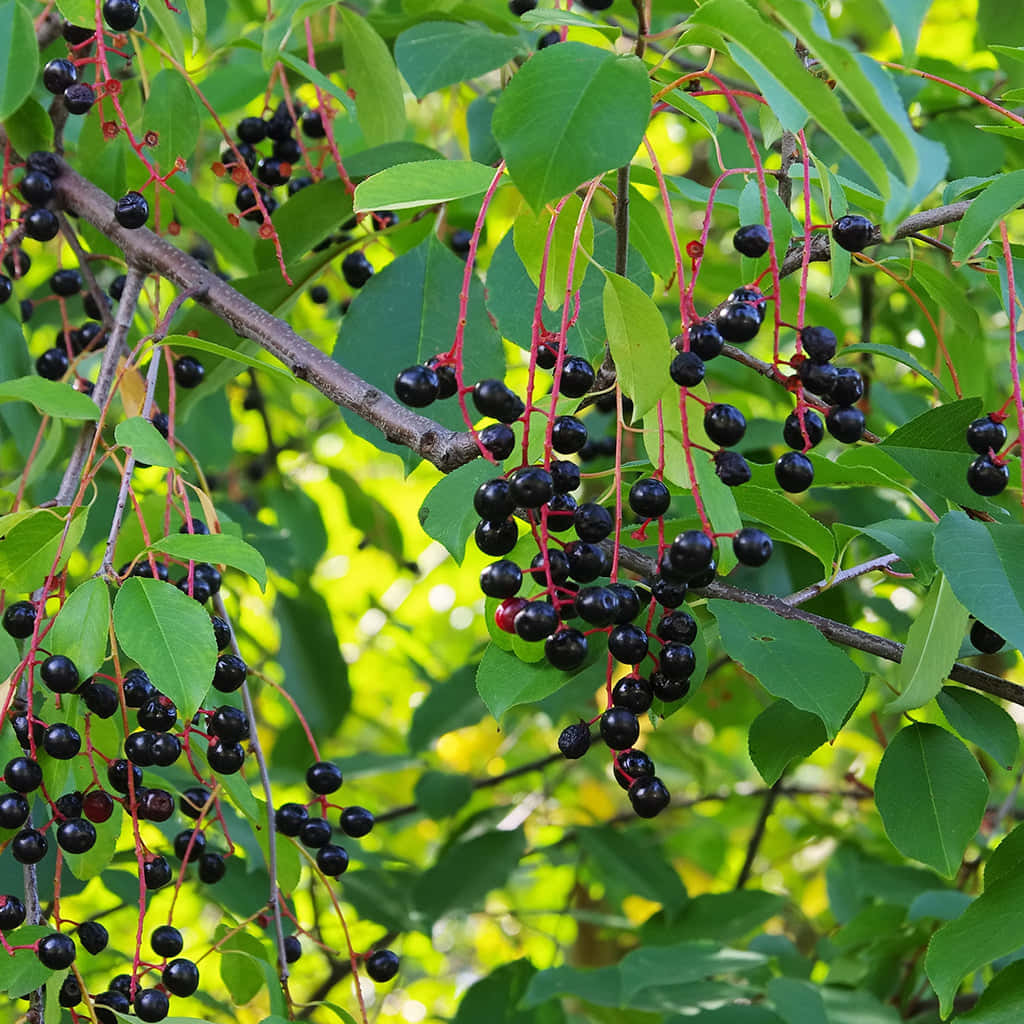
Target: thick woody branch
446, 449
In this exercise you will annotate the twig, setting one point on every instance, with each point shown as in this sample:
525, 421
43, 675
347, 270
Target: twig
844, 576
758, 834
788, 156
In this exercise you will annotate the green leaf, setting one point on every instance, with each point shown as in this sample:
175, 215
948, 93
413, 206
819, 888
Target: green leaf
441, 794
983, 567
22, 972
787, 72
907, 16
910, 539
649, 966
371, 73
601, 986
94, 863
184, 341
82, 627
797, 1002
467, 871
29, 128
301, 224
239, 954
592, 119
33, 547
173, 113
781, 734
152, 621
220, 548
19, 56
289, 860
720, 505
899, 356
422, 183
447, 513
503, 681
529, 235
787, 521
647, 232
991, 927
378, 158
932, 646
641, 868
1007, 859
146, 442
931, 794
495, 998
1006, 193
639, 343
1000, 1002
792, 660
233, 247
50, 397
434, 54
451, 704
722, 916
981, 721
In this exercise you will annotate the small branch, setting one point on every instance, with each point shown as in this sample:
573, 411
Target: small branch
767, 805
881, 562
788, 156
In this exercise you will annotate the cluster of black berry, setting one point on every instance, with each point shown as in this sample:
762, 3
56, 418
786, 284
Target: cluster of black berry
988, 474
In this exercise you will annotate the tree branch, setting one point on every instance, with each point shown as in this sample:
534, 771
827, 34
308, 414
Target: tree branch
446, 449
767, 805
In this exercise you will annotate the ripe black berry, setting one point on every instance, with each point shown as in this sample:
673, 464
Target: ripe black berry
323, 777
212, 868
649, 498
691, 551
93, 936
121, 15
100, 699
41, 224
332, 860
67, 281
577, 377
6, 288
501, 579
56, 951
574, 740
536, 620
417, 386
566, 649
52, 364
20, 619
845, 423
230, 673
166, 940
189, 843
818, 378
225, 758
630, 765
677, 661
848, 387
629, 603
158, 714
853, 232
17, 262
62, 741
180, 977
315, 833
983, 435
493, 500
29, 846
586, 561
138, 747
252, 130
648, 796
356, 821
155, 804
732, 469
356, 269
12, 913
292, 949
381, 965
724, 424
680, 627
619, 728
23, 774
151, 1004
37, 188
156, 873
495, 399
593, 522
687, 369
188, 372
752, 546
496, 538
271, 171
229, 723
561, 511
14, 810
794, 437
705, 339
499, 440
597, 605
70, 993
738, 322
819, 343
988, 641
633, 693
548, 39
628, 644
76, 835
221, 632
117, 775
58, 74
568, 435
987, 477
751, 240
794, 472
131, 210
79, 98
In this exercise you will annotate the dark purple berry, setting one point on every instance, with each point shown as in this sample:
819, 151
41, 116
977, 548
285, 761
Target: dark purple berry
751, 240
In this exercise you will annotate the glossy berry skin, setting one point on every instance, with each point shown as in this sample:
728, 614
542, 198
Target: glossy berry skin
292, 949
138, 748
14, 810
677, 661
230, 673
225, 758
598, 606
189, 843
794, 436
853, 232
212, 868
794, 472
495, 399
705, 339
315, 833
629, 602
29, 846
332, 860
417, 386
117, 775
501, 579
630, 765
752, 547
691, 551
131, 210
505, 614
188, 372
724, 424
648, 796
447, 382
819, 343
669, 690
37, 188
67, 281
731, 468
6, 288
97, 806
70, 993
566, 649
56, 951
568, 435
986, 640
619, 728
633, 693
496, 538
649, 498
987, 477
221, 632
323, 777
818, 378
356, 269
381, 965
983, 435
121, 15
100, 699
158, 714
20, 619
156, 873
180, 977
23, 774
493, 499
561, 510
12, 913
499, 440
166, 940
586, 561
76, 835
536, 621
58, 74
62, 741
687, 369
52, 364
738, 322
845, 423
229, 723
151, 1005
751, 240
356, 821
93, 937
577, 377
679, 627
592, 522
628, 644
